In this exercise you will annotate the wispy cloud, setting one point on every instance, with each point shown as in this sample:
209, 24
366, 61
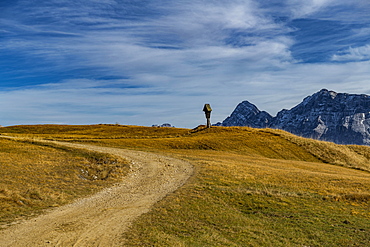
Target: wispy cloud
353, 54
301, 9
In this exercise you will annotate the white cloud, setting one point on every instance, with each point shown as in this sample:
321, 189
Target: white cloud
131, 49
353, 54
79, 101
301, 9
231, 14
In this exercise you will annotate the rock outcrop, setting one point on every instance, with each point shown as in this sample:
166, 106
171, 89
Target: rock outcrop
247, 114
326, 115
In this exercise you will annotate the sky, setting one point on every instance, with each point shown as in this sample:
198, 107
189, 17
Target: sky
142, 62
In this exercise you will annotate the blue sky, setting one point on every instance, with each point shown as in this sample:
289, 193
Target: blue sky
141, 62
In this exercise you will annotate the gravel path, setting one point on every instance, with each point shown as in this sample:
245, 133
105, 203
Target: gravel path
101, 219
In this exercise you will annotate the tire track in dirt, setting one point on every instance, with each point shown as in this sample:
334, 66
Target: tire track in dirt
100, 220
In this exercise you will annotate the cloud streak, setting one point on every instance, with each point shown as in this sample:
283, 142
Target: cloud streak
353, 54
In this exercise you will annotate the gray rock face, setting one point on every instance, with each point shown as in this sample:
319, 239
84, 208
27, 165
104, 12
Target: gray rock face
247, 114
326, 115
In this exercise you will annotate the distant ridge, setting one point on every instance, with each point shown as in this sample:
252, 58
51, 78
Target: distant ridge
326, 115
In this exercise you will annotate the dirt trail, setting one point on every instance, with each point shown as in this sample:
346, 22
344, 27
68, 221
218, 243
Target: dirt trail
101, 219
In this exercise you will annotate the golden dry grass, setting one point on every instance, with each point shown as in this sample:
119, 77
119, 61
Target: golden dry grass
35, 177
99, 131
252, 187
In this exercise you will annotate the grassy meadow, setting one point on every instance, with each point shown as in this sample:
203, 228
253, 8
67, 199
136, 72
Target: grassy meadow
251, 187
35, 176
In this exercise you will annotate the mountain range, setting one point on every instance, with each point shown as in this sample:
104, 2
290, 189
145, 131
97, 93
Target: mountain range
326, 115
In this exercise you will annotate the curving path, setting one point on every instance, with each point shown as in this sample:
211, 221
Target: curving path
101, 219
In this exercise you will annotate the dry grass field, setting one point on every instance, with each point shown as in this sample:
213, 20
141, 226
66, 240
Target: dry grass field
252, 187
35, 177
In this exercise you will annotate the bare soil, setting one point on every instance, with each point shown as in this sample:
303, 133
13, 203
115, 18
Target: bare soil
101, 220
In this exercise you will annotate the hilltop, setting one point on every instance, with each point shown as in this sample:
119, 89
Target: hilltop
251, 187
268, 143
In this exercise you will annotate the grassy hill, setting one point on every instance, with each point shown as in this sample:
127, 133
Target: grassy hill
252, 187
34, 177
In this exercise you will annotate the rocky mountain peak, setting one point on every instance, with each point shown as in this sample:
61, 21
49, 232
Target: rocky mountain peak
247, 114
326, 115
327, 93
